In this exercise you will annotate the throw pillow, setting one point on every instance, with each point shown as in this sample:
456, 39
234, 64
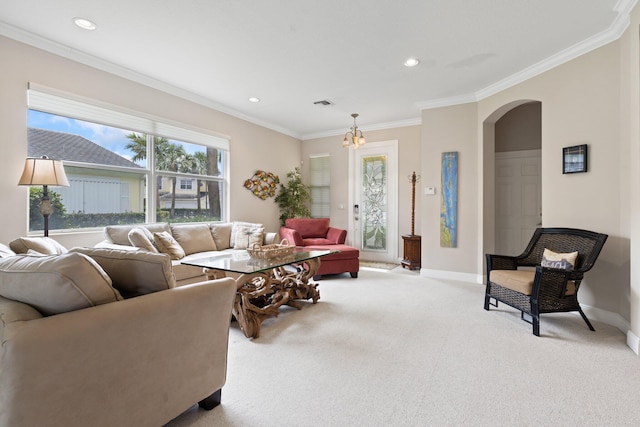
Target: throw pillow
194, 238
119, 234
44, 245
168, 245
221, 233
5, 251
563, 261
246, 237
133, 272
54, 284
236, 226
142, 238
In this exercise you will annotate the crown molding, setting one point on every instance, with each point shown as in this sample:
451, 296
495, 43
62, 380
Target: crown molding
388, 125
611, 34
124, 72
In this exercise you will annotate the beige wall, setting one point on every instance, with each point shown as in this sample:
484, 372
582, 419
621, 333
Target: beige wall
451, 129
590, 100
408, 138
519, 129
252, 146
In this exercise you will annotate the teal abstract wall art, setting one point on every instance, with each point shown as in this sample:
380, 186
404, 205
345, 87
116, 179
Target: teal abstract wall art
449, 201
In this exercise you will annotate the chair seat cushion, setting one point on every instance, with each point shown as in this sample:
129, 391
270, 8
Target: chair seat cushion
317, 241
517, 280
522, 281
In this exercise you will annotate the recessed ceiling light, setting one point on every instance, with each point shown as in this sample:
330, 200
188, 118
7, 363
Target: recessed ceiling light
85, 24
411, 62
254, 99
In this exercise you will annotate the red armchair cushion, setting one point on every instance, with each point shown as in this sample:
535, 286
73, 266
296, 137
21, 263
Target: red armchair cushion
317, 241
309, 227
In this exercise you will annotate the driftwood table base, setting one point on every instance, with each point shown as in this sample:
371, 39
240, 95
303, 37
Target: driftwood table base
260, 295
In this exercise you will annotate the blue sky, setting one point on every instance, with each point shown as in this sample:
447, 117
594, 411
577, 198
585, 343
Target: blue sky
111, 138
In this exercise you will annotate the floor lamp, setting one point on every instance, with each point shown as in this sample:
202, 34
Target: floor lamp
44, 171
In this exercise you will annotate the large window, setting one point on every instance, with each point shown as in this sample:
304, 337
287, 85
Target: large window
110, 157
320, 184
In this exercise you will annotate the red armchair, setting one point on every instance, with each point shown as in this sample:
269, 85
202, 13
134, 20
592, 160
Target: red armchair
317, 234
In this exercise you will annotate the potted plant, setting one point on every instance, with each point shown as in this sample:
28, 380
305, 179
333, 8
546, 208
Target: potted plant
294, 197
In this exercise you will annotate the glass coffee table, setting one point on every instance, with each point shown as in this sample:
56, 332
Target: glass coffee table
264, 285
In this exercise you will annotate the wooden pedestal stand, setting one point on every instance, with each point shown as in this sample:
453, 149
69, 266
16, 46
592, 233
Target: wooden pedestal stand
412, 243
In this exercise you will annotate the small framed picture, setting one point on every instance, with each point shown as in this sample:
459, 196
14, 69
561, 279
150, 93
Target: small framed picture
574, 159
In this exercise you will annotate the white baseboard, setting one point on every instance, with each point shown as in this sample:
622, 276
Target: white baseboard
452, 275
633, 342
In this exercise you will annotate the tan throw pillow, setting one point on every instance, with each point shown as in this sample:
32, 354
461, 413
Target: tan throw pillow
221, 233
54, 284
119, 234
133, 273
563, 261
246, 237
236, 226
142, 238
168, 245
194, 238
43, 245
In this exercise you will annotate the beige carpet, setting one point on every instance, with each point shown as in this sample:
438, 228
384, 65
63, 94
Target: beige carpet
392, 348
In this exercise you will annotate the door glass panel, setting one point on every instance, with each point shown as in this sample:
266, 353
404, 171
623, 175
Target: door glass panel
374, 201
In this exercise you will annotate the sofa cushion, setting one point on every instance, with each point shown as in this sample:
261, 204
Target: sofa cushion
120, 233
168, 245
5, 251
309, 227
221, 233
134, 273
43, 245
55, 284
244, 225
142, 238
247, 236
194, 238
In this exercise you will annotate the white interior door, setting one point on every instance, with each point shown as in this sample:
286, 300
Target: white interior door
518, 199
373, 221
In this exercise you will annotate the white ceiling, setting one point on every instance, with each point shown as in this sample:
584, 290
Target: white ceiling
291, 53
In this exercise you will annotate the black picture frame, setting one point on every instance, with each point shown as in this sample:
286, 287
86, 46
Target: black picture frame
574, 159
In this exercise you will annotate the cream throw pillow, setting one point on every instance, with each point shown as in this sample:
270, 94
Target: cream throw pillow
142, 238
5, 251
134, 273
237, 225
194, 238
246, 237
563, 261
168, 245
43, 245
54, 284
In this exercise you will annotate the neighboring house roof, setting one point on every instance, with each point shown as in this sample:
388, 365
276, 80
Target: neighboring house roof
75, 148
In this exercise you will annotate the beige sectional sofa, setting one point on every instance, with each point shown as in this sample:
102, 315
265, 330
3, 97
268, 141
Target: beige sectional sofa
75, 352
187, 241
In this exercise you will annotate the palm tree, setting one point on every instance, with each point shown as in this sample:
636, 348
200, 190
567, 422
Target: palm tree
213, 190
168, 158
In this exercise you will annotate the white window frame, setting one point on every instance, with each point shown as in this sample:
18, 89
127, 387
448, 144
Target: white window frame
320, 180
53, 101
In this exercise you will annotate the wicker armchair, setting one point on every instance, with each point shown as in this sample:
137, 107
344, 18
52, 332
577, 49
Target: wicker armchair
545, 290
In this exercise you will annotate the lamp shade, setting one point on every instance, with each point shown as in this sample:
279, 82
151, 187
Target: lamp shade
43, 171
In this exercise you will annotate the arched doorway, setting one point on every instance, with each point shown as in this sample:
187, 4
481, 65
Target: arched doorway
512, 185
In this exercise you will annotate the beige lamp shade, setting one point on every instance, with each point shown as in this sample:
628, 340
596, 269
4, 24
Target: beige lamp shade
43, 171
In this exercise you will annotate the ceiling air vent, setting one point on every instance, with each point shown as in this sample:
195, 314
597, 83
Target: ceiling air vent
323, 103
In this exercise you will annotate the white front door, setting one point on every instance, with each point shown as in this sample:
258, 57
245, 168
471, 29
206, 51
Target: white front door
518, 200
373, 221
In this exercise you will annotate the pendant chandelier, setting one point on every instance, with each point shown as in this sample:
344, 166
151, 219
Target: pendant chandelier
354, 137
